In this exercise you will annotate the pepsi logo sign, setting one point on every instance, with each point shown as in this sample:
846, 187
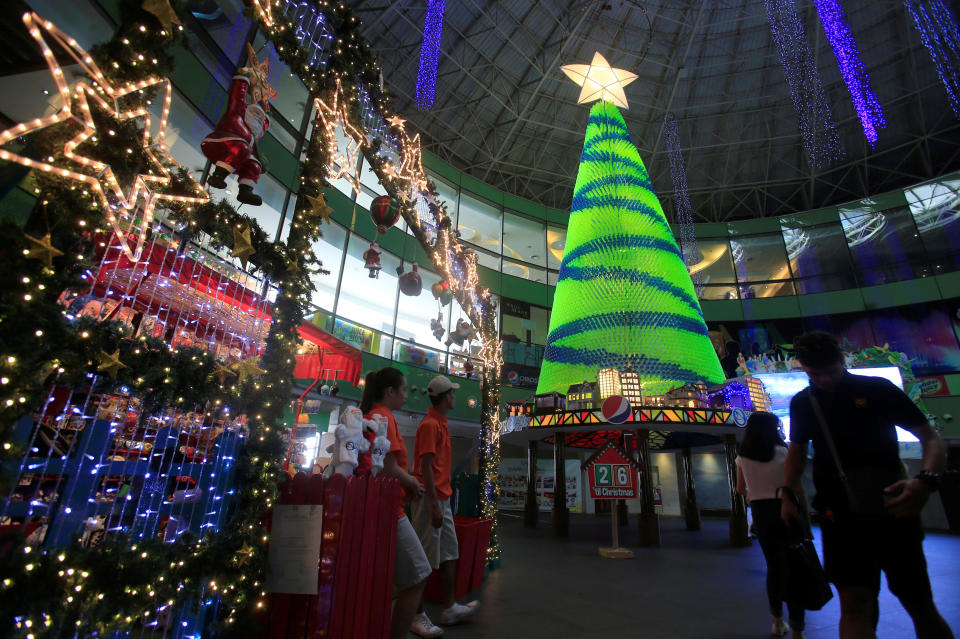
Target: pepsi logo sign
513, 377
739, 417
616, 409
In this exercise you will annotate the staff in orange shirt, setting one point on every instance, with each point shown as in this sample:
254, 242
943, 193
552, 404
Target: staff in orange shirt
385, 391
432, 515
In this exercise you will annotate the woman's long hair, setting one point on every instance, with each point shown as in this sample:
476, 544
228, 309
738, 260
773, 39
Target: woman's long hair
761, 437
376, 384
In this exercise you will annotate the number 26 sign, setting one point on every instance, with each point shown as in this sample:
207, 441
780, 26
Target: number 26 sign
612, 473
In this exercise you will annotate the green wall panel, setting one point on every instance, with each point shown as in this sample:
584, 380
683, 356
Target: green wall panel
722, 310
901, 293
949, 284
763, 308
833, 302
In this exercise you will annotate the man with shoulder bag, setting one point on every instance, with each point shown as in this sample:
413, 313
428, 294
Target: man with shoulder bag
869, 509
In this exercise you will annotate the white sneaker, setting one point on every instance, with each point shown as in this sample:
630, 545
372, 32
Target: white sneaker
421, 625
457, 613
780, 628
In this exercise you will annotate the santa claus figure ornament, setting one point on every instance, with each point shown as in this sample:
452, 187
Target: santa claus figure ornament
231, 145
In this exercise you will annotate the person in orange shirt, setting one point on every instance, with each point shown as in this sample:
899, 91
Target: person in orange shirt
432, 515
385, 391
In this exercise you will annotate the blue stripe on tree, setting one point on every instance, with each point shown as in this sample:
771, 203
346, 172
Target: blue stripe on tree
611, 242
587, 273
642, 364
626, 319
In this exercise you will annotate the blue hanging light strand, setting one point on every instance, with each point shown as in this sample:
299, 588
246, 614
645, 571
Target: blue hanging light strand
430, 54
817, 129
940, 34
852, 69
681, 198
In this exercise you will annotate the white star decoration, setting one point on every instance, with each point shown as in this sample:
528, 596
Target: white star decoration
600, 81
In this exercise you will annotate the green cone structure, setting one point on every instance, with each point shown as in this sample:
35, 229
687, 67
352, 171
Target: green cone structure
624, 299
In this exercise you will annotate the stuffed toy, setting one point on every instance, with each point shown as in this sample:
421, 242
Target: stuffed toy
381, 445
463, 333
371, 258
349, 444
436, 325
230, 147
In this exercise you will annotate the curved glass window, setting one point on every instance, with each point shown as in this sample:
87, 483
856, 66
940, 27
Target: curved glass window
329, 250
448, 195
556, 240
760, 263
480, 223
818, 257
369, 301
524, 239
414, 314
715, 267
936, 211
884, 245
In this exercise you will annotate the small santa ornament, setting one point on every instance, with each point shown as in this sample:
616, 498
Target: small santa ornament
371, 259
231, 145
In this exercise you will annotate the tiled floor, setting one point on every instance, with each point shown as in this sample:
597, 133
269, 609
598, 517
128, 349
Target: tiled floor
695, 585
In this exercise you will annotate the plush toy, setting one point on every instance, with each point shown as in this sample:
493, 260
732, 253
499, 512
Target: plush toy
463, 333
350, 443
436, 325
371, 258
231, 145
381, 445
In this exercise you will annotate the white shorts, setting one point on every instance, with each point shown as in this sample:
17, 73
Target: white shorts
439, 544
411, 565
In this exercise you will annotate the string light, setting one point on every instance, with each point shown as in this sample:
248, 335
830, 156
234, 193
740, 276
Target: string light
332, 116
852, 69
681, 198
430, 54
821, 141
941, 36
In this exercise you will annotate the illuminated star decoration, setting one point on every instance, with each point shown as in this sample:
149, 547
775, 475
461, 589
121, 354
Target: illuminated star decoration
331, 115
396, 120
42, 250
242, 247
318, 206
430, 54
110, 363
263, 8
854, 73
163, 12
260, 88
249, 367
222, 373
600, 81
141, 197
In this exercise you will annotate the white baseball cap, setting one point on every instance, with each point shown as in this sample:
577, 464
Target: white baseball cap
440, 385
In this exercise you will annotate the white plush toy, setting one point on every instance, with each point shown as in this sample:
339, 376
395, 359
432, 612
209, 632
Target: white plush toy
349, 444
381, 445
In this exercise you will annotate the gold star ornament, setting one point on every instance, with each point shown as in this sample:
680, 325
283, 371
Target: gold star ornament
600, 81
110, 363
318, 206
242, 247
41, 250
222, 373
249, 367
244, 555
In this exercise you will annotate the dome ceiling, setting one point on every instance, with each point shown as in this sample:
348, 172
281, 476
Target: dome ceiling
505, 114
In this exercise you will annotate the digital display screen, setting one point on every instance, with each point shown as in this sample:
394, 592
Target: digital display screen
781, 387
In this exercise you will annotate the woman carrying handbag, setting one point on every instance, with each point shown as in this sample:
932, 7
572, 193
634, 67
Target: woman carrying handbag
759, 475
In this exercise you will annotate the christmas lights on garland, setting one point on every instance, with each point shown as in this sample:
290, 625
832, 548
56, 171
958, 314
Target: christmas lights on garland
940, 33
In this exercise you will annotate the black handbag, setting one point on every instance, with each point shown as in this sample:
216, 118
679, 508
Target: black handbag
805, 580
863, 486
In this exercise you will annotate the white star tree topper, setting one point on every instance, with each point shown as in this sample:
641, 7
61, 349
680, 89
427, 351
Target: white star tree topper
600, 81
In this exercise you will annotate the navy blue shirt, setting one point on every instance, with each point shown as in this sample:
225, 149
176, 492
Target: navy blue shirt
862, 415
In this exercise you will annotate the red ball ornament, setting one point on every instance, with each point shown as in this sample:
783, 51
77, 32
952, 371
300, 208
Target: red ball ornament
441, 291
410, 283
384, 211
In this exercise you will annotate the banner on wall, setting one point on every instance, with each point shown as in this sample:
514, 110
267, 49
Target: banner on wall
516, 308
513, 484
520, 376
933, 386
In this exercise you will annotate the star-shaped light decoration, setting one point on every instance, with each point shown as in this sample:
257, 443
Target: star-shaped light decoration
259, 73
242, 247
396, 120
249, 367
121, 206
318, 206
411, 167
222, 373
600, 81
163, 12
42, 250
333, 115
110, 363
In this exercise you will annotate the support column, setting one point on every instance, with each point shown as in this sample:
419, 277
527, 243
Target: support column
560, 514
688, 493
648, 518
739, 533
530, 508
622, 512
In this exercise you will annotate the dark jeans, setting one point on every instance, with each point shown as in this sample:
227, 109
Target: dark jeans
772, 534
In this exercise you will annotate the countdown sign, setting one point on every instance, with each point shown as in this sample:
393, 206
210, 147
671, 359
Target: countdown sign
612, 473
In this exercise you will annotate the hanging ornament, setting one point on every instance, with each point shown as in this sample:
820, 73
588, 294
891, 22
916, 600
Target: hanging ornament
463, 334
42, 250
371, 259
385, 212
222, 373
110, 363
242, 247
441, 291
468, 367
231, 147
318, 206
249, 367
163, 12
436, 325
244, 555
410, 283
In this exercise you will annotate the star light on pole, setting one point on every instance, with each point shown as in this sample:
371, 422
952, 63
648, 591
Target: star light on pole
600, 81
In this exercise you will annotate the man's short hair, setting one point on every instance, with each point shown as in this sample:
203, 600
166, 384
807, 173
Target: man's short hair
817, 349
436, 399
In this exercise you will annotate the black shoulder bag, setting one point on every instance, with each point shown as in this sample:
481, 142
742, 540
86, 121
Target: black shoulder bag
805, 581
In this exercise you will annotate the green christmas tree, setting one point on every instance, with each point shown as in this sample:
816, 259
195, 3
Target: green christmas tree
624, 298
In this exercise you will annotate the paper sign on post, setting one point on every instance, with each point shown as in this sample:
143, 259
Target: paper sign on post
294, 556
